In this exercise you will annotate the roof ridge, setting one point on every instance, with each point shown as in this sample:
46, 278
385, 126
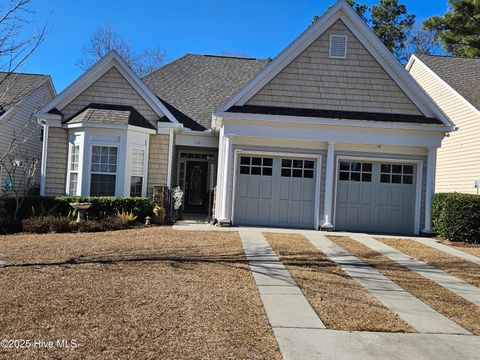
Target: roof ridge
448, 56
23, 73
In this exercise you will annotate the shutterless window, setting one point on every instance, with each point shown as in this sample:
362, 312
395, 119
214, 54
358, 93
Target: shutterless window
338, 46
396, 174
256, 166
297, 168
103, 171
74, 164
137, 171
355, 171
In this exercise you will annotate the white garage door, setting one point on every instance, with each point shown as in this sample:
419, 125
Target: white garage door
375, 197
275, 191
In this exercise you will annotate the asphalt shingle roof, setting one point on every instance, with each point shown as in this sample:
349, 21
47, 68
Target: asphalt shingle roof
14, 86
462, 74
193, 87
111, 114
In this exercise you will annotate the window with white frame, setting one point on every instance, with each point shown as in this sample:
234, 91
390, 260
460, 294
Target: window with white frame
137, 172
74, 165
103, 170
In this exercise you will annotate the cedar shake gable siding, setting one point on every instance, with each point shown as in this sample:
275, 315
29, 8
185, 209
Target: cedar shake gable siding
112, 88
315, 81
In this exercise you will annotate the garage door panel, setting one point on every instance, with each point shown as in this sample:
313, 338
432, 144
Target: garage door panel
375, 197
284, 193
266, 189
354, 194
253, 188
281, 195
308, 189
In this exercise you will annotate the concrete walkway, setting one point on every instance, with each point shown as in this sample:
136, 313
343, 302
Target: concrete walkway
459, 287
284, 303
448, 250
413, 311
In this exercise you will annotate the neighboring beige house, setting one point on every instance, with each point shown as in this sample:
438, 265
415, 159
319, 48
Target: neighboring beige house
333, 133
454, 84
21, 96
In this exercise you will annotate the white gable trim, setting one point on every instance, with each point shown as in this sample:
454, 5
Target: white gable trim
112, 59
341, 10
414, 59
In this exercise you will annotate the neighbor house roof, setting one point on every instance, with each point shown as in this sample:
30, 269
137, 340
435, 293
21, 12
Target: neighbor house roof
462, 74
14, 86
111, 114
195, 86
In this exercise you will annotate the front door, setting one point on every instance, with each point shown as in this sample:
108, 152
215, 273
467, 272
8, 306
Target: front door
196, 191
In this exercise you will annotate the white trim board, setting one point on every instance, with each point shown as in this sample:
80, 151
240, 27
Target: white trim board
318, 174
418, 189
341, 10
112, 59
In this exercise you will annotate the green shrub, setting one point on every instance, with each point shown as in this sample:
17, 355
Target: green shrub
102, 207
456, 216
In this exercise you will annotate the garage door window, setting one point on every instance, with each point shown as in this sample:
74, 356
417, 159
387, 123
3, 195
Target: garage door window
297, 168
256, 166
355, 171
396, 174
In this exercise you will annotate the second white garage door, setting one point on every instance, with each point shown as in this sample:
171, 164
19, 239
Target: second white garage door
375, 197
275, 191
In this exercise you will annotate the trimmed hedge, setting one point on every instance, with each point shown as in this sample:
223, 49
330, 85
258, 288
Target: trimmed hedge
102, 207
456, 217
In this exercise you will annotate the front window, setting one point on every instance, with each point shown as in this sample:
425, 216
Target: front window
137, 171
103, 171
74, 161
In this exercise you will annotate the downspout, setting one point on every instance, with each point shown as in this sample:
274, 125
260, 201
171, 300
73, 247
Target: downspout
43, 167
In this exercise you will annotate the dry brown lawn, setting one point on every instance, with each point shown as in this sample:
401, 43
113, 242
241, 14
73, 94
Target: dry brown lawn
473, 249
147, 293
340, 301
437, 297
456, 266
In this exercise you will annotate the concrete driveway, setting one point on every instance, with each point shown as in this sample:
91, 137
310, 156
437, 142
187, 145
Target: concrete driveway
302, 335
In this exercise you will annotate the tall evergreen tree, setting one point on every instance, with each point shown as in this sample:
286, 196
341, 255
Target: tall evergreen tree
459, 28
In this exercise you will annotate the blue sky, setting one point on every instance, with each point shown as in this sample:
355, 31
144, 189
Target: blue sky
257, 28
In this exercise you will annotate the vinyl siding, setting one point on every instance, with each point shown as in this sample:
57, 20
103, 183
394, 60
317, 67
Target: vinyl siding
113, 89
458, 163
22, 114
56, 171
157, 162
315, 81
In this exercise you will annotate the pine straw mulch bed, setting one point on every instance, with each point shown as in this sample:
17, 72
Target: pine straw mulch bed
454, 265
340, 301
145, 293
456, 308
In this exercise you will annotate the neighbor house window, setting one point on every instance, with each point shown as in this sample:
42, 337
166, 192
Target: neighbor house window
74, 162
136, 172
103, 171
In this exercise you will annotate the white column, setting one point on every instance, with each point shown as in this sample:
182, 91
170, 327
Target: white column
43, 169
226, 180
171, 143
221, 153
430, 189
329, 177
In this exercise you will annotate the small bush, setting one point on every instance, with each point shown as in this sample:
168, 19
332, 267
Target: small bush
9, 226
456, 216
108, 224
47, 224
